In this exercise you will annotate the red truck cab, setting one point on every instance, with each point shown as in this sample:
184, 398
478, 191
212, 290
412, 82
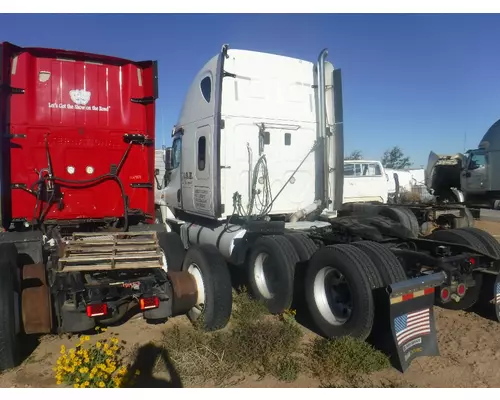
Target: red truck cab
78, 133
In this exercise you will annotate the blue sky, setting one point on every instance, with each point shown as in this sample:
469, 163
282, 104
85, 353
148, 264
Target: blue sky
418, 81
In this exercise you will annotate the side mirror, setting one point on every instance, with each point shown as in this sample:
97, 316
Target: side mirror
168, 159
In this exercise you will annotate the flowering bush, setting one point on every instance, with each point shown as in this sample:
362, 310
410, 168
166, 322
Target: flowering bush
98, 365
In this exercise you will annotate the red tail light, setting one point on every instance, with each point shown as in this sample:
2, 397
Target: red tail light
472, 261
96, 310
461, 289
445, 294
149, 302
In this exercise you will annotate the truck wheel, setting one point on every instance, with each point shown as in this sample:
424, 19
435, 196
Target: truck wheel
303, 245
387, 264
460, 236
404, 216
271, 269
173, 249
338, 291
9, 341
213, 282
486, 239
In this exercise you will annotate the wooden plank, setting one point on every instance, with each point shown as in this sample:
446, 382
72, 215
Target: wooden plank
88, 243
150, 247
108, 267
89, 234
110, 257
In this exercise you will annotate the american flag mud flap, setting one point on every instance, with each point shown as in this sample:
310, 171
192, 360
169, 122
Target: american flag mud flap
412, 318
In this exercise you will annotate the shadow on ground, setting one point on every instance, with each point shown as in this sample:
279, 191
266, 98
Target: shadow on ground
147, 359
27, 345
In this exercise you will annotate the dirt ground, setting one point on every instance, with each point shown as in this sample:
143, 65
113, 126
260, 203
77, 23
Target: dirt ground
469, 347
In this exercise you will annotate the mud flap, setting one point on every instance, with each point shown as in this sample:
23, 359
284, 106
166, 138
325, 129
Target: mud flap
36, 301
412, 319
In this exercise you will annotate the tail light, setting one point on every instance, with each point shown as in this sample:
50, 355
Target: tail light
461, 288
149, 302
445, 294
97, 310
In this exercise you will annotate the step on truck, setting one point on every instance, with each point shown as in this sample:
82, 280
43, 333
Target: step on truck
256, 169
78, 246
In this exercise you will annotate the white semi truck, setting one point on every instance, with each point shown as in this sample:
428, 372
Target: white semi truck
255, 170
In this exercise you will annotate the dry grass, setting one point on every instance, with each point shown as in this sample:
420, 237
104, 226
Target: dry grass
255, 344
260, 345
347, 359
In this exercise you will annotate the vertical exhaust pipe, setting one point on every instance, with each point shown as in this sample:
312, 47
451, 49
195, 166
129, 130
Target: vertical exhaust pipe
338, 141
325, 198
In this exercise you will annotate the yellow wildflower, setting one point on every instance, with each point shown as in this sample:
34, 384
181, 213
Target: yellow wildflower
109, 353
87, 338
76, 385
101, 384
98, 345
137, 372
59, 382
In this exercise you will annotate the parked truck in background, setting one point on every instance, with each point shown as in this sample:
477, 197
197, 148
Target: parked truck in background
256, 169
78, 246
365, 181
468, 178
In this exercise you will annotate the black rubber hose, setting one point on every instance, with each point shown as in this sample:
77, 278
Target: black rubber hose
99, 178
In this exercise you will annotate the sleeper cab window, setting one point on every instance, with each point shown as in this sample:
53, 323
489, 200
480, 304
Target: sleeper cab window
201, 153
206, 88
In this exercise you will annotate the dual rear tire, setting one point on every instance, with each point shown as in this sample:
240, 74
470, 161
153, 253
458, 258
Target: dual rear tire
338, 283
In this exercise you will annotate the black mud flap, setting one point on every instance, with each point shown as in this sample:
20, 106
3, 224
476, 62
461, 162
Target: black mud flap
412, 319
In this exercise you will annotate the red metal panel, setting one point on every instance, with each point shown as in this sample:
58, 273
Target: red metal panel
81, 104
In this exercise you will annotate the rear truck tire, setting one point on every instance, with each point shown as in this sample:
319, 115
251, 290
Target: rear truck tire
213, 282
460, 236
346, 307
390, 269
271, 270
486, 239
173, 249
403, 216
9, 285
303, 245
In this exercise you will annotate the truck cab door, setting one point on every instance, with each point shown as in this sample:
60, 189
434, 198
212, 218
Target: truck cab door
474, 175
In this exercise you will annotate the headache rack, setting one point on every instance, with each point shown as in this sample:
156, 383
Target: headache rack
110, 251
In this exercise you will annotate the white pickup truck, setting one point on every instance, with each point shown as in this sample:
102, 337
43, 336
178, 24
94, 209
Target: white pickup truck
365, 181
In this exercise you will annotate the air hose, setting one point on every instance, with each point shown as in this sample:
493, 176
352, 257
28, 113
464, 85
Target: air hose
95, 180
85, 182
